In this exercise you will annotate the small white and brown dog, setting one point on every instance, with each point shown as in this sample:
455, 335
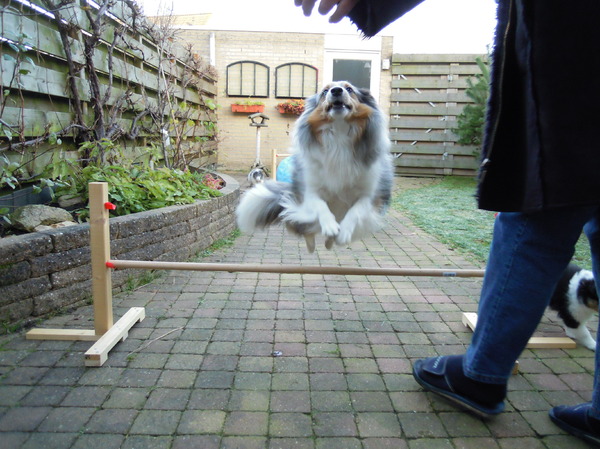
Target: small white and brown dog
342, 173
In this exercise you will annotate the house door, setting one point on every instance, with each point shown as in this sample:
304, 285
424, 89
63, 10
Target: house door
362, 69
356, 71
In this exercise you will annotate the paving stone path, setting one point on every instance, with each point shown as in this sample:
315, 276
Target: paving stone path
265, 361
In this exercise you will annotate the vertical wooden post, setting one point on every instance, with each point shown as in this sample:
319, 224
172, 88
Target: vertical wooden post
106, 334
274, 165
100, 248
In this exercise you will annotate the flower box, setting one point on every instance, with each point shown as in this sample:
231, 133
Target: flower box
247, 108
294, 107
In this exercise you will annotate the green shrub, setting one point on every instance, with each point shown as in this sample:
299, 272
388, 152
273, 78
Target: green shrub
133, 187
138, 190
470, 122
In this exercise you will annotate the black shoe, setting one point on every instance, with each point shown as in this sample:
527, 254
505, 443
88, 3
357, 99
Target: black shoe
577, 422
444, 377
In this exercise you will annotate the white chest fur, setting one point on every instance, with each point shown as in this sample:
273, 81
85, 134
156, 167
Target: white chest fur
335, 168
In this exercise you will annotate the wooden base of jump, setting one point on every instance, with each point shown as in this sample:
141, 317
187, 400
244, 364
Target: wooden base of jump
62, 334
470, 320
105, 333
97, 354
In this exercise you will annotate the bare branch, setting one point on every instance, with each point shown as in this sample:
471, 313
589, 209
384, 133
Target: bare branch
43, 138
64, 29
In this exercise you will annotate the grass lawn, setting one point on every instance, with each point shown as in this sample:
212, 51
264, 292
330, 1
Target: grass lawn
448, 211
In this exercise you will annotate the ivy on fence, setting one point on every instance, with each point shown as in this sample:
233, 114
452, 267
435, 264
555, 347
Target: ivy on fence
76, 74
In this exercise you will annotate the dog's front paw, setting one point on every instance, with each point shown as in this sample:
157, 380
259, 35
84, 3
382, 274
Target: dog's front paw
582, 336
329, 227
590, 344
344, 237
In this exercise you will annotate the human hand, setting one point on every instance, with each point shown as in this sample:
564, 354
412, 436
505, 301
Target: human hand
325, 6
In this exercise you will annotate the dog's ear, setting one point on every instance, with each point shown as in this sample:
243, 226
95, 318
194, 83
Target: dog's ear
587, 288
364, 96
304, 132
311, 103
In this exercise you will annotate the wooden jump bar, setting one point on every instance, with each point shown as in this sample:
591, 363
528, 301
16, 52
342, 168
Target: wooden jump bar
290, 269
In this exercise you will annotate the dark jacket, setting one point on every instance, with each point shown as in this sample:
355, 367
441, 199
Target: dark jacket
541, 147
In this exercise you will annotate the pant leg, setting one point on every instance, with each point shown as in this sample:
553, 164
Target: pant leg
592, 231
528, 254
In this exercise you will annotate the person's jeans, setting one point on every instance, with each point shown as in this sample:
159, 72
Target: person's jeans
527, 257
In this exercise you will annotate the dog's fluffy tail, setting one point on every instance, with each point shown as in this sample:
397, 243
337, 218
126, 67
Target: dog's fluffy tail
262, 206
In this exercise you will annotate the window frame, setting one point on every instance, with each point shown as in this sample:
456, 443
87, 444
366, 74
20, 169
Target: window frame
304, 93
254, 94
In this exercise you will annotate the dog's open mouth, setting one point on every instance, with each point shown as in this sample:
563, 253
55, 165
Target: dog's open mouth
337, 105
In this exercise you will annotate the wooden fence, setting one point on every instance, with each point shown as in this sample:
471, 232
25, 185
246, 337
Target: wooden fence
143, 73
428, 93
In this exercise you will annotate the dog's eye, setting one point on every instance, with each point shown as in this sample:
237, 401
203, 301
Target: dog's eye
324, 92
349, 89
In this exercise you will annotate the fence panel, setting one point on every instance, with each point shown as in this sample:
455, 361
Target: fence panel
143, 72
428, 93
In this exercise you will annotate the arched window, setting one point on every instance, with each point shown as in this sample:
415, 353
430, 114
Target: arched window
247, 79
295, 80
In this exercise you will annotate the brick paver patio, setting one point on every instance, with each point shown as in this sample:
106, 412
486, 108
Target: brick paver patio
265, 361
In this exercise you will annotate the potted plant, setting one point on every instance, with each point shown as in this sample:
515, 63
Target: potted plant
295, 107
248, 107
